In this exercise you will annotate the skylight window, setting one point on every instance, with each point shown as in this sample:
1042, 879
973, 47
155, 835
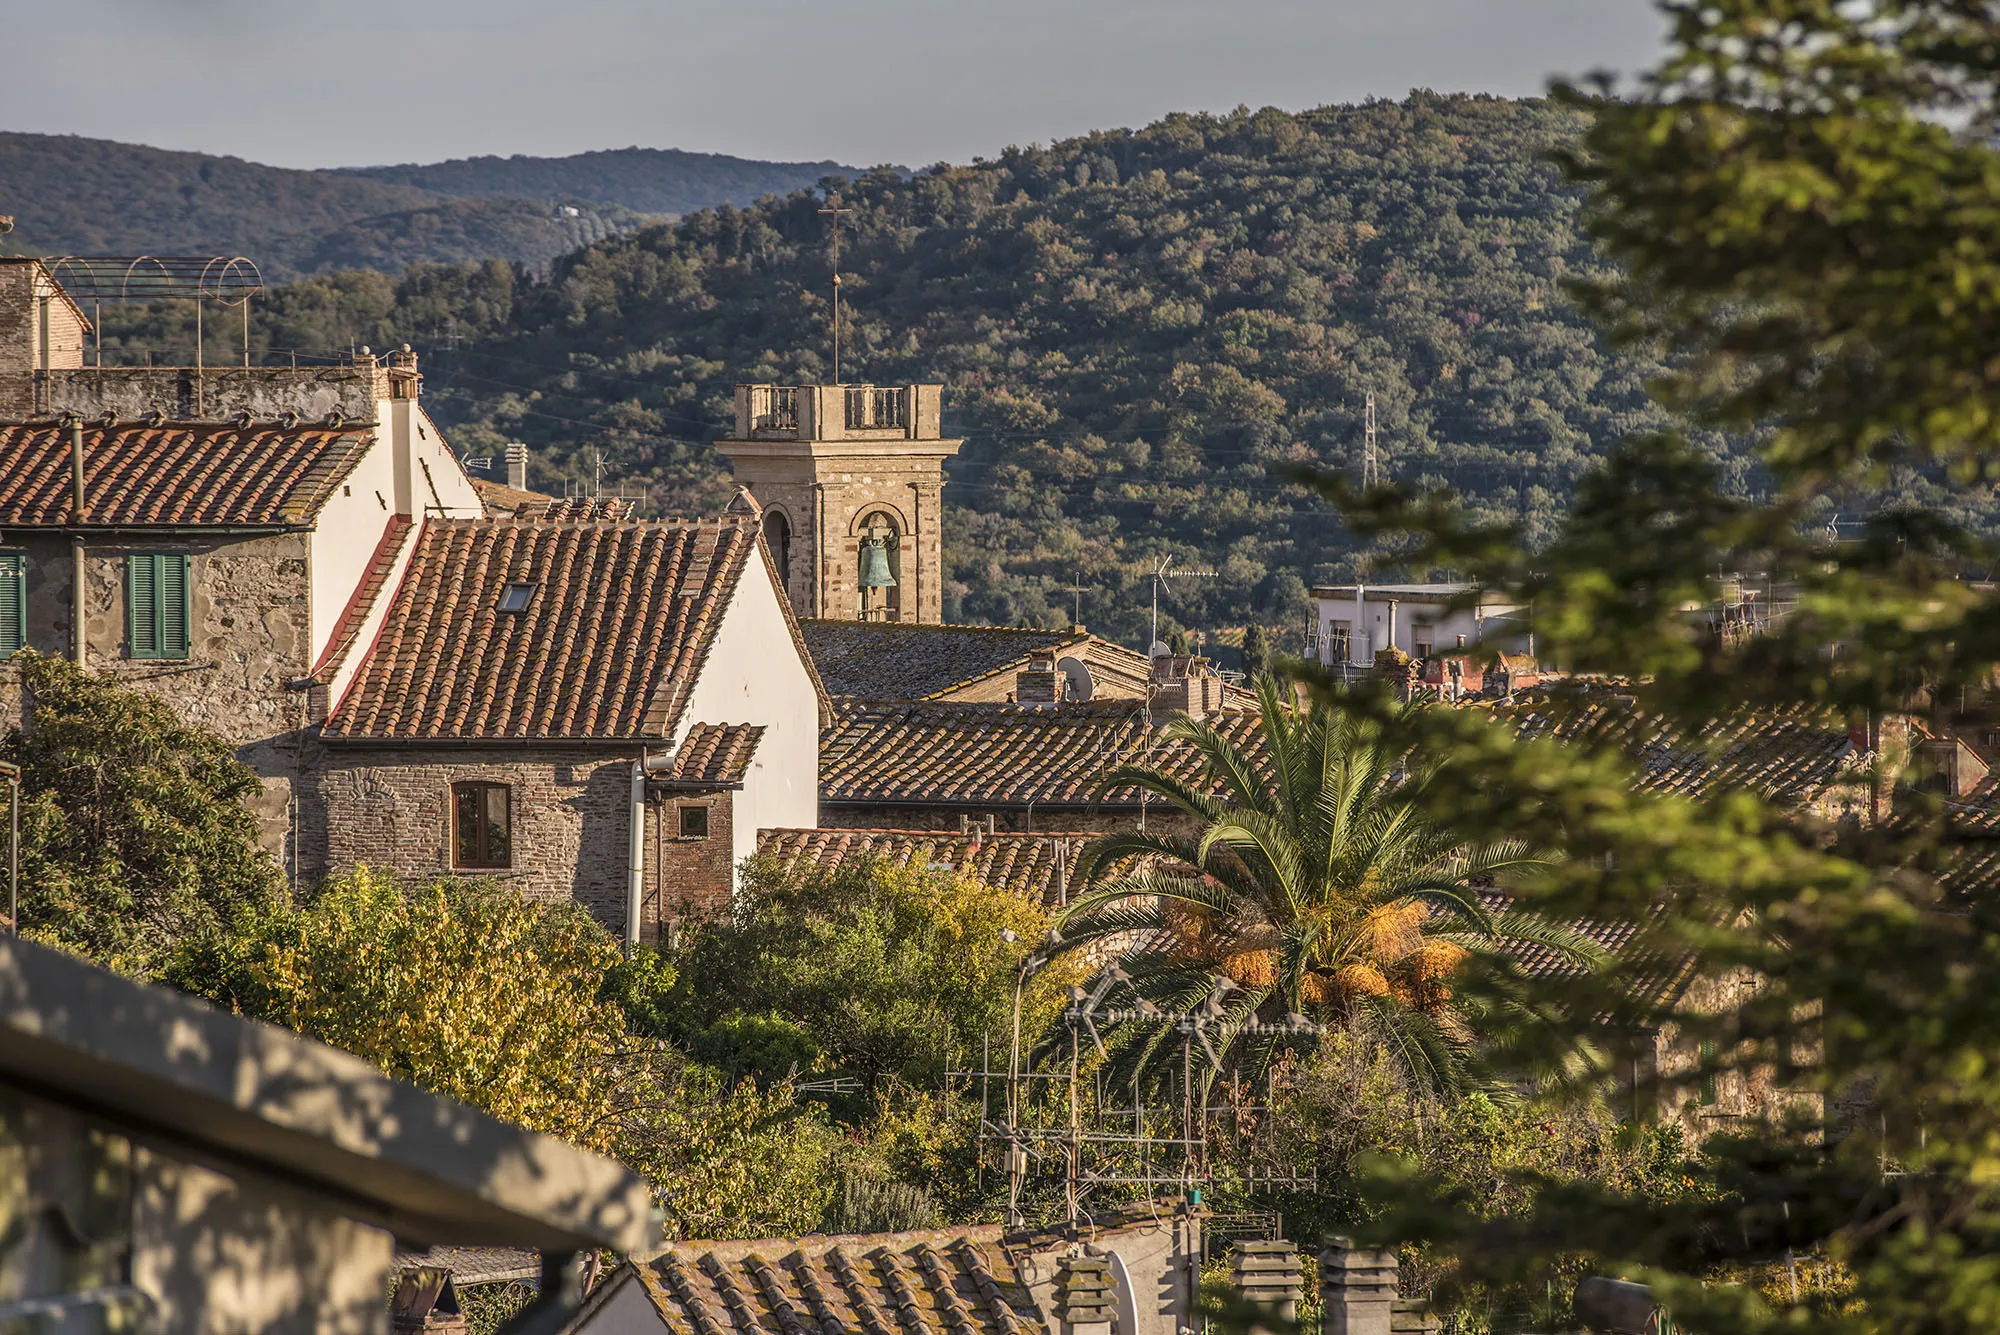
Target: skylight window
515, 599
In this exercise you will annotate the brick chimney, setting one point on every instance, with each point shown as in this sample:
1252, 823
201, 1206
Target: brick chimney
1039, 683
517, 466
1184, 684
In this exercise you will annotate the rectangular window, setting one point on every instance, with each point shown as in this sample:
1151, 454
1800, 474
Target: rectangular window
1705, 1055
1339, 642
694, 822
13, 603
156, 605
482, 834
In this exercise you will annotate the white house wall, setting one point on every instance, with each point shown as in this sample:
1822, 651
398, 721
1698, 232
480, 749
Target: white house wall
345, 536
756, 673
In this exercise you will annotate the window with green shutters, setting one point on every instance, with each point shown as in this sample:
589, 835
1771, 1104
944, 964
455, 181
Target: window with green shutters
13, 603
156, 604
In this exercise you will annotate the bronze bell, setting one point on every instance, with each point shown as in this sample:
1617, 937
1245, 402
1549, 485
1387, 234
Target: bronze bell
875, 566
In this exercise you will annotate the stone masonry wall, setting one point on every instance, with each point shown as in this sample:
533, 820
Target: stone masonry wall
571, 812
23, 285
248, 637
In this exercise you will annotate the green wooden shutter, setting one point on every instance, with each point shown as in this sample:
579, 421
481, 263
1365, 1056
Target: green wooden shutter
13, 603
173, 603
142, 636
156, 604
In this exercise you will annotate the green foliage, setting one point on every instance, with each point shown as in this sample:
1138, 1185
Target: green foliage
863, 1204
1256, 652
1137, 329
458, 986
134, 830
871, 972
651, 180
1309, 886
80, 196
1804, 200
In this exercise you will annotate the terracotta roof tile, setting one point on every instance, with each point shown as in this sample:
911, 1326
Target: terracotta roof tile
1787, 755
889, 660
714, 755
193, 474
944, 1283
617, 622
1033, 866
984, 754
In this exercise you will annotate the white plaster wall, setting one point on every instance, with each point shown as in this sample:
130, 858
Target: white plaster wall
454, 489
349, 528
756, 673
1370, 632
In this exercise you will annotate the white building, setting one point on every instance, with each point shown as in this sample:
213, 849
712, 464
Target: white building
1356, 621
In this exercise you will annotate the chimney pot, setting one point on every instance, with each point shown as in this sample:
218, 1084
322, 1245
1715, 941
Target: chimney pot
517, 466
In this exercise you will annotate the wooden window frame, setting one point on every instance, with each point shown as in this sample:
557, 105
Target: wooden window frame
14, 629
156, 644
693, 809
483, 857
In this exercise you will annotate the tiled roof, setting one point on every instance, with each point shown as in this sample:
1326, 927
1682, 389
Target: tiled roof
889, 660
196, 474
985, 755
475, 1265
714, 755
1642, 969
940, 1283
1787, 755
1033, 866
618, 621
501, 500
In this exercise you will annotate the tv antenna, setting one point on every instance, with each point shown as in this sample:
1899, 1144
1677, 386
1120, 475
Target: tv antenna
1161, 575
835, 211
1371, 473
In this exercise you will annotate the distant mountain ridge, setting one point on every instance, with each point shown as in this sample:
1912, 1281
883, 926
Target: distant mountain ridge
650, 180
78, 196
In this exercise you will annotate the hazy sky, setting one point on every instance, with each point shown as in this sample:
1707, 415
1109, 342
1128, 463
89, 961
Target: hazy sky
342, 82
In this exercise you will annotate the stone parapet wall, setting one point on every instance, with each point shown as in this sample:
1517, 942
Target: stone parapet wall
216, 393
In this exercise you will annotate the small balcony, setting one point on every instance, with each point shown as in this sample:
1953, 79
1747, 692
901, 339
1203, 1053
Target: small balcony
839, 412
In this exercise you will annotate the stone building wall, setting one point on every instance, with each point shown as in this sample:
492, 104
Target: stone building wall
1734, 1098
571, 824
26, 295
249, 635
219, 393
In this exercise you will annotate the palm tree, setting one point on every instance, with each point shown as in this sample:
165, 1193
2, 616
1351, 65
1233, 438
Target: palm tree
1309, 894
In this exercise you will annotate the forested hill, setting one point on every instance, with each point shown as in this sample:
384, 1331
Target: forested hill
72, 195
650, 180
1133, 326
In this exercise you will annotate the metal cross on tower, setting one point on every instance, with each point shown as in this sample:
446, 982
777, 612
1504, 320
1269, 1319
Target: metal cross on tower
834, 211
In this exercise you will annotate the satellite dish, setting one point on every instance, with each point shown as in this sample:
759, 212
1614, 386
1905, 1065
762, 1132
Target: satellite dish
1159, 650
1077, 678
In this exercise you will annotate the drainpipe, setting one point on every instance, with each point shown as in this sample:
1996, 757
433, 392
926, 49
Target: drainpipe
635, 865
79, 605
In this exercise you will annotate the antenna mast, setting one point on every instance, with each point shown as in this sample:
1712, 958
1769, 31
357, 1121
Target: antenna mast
834, 211
1370, 473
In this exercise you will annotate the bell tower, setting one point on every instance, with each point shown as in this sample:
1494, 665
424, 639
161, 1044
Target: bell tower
850, 479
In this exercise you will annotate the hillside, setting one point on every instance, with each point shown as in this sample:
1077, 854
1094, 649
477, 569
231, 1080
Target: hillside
1134, 327
72, 195
649, 180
